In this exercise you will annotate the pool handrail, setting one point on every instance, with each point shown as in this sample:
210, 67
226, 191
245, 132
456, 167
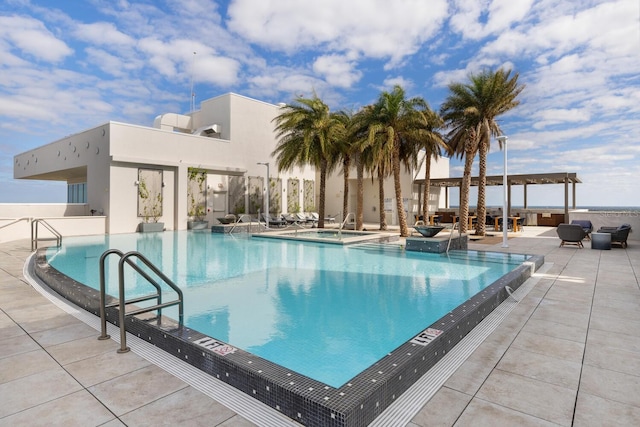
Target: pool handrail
343, 223
34, 233
124, 258
451, 234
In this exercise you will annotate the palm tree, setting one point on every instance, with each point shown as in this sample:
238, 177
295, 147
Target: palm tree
346, 152
471, 111
396, 121
361, 152
307, 133
434, 146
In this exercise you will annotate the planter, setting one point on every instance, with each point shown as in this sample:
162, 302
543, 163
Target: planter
146, 227
428, 230
197, 225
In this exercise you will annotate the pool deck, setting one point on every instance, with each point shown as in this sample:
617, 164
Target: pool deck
568, 354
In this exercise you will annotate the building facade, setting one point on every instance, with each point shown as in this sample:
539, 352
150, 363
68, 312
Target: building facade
132, 174
205, 164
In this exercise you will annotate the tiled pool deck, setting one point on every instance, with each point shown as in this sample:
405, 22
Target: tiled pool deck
568, 354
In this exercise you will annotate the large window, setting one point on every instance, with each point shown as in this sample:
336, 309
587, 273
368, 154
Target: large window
77, 193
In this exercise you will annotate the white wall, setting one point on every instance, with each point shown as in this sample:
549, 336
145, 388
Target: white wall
66, 226
335, 185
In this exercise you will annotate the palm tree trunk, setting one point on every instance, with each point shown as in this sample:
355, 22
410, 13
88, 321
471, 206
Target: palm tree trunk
482, 188
346, 166
360, 196
321, 202
383, 213
402, 218
427, 187
466, 185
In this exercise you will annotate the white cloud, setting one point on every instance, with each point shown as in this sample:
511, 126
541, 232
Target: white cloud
560, 116
390, 82
102, 33
33, 38
478, 19
338, 70
370, 27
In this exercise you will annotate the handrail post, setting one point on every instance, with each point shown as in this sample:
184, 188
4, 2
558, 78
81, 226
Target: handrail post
103, 294
123, 333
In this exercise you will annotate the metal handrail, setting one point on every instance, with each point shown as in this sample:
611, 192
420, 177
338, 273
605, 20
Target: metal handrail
15, 221
34, 233
451, 234
343, 223
238, 222
124, 259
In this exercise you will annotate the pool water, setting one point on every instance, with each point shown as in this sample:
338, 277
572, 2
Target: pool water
324, 311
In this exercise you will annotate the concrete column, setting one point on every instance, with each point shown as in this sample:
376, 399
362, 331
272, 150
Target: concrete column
180, 197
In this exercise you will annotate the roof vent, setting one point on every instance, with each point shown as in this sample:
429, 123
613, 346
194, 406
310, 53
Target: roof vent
210, 130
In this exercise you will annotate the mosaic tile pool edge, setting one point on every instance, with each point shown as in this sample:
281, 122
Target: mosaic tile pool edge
303, 399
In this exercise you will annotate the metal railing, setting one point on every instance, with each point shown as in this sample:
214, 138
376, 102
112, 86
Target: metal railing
34, 233
122, 302
239, 220
346, 218
15, 221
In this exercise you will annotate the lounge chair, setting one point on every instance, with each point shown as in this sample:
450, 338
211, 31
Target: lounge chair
330, 218
291, 219
314, 218
302, 218
586, 225
571, 234
271, 221
619, 234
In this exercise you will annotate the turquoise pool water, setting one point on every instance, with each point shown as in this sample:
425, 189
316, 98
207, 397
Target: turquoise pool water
324, 311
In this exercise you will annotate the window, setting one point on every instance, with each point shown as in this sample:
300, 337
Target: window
77, 193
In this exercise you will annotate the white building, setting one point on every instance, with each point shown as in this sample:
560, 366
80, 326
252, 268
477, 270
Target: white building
123, 172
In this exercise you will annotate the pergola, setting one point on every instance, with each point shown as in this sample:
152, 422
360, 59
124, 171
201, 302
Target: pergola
565, 178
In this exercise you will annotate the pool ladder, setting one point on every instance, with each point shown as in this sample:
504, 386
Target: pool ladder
125, 258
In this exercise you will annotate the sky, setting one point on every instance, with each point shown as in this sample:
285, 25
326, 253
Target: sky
69, 66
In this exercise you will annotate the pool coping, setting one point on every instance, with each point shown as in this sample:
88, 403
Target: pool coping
307, 401
360, 236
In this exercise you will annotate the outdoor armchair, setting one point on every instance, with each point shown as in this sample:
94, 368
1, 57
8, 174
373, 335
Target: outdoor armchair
586, 225
571, 234
619, 234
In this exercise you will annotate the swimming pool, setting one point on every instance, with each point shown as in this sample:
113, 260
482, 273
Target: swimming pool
304, 308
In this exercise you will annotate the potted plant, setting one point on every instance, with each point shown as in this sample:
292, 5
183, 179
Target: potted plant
151, 208
197, 199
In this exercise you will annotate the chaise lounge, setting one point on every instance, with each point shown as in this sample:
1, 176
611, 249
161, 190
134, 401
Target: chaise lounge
619, 234
571, 234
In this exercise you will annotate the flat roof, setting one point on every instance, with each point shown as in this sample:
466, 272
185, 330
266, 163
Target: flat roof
536, 178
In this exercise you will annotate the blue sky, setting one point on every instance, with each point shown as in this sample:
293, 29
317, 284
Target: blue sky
69, 66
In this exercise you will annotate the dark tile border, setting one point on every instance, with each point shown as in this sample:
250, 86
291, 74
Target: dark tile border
312, 403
